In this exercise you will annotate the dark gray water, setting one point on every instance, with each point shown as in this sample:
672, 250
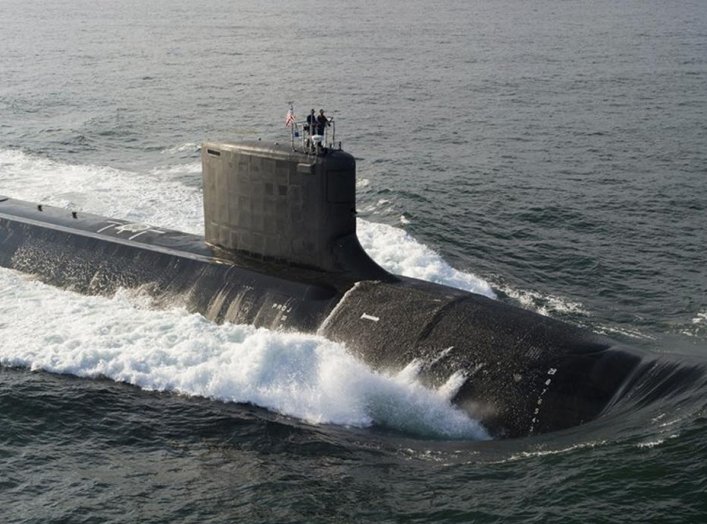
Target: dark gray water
555, 150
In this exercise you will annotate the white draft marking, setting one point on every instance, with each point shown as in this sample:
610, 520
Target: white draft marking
551, 372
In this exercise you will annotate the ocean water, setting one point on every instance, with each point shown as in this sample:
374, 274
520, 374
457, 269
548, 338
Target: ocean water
548, 154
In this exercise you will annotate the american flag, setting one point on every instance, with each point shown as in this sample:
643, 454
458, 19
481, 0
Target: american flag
290, 118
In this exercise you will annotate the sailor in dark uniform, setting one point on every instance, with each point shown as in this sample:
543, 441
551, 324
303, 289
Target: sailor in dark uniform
322, 122
311, 122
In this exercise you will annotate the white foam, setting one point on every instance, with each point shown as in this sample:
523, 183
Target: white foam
626, 332
157, 197
191, 147
304, 376
657, 441
697, 326
541, 452
650, 444
544, 304
550, 305
398, 252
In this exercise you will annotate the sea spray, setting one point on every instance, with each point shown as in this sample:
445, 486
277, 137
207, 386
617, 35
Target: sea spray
303, 376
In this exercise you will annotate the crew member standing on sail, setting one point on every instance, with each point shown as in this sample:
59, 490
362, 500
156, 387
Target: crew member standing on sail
322, 122
311, 122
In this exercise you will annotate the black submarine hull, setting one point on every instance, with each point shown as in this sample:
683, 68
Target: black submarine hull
518, 372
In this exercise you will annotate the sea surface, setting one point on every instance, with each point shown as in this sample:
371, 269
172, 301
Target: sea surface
551, 154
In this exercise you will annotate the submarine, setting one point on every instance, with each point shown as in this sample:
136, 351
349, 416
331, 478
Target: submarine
280, 251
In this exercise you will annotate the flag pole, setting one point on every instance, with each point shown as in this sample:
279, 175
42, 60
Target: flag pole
292, 123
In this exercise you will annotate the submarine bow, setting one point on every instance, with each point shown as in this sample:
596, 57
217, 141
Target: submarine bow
280, 251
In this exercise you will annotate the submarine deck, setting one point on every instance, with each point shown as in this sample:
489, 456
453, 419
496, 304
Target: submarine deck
170, 242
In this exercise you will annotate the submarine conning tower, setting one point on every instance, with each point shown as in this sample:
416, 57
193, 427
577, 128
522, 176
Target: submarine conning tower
280, 203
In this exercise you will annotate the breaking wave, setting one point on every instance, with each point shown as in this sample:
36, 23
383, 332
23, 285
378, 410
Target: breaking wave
303, 376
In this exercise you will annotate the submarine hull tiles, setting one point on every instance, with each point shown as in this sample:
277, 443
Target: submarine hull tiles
281, 252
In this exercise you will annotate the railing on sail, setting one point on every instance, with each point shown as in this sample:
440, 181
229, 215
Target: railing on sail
313, 137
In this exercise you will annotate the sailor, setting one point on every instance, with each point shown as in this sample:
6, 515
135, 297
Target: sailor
311, 122
322, 122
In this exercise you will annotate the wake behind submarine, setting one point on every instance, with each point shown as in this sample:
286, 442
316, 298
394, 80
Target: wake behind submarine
280, 251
